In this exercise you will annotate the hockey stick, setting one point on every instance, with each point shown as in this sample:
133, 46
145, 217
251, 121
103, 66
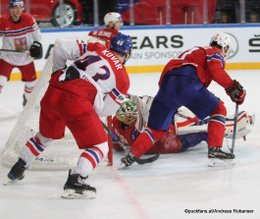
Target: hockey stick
10, 50
140, 161
234, 130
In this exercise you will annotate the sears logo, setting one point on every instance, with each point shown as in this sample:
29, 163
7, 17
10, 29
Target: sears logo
254, 43
235, 45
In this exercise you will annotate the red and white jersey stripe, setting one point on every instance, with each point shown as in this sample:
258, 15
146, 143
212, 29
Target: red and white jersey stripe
18, 36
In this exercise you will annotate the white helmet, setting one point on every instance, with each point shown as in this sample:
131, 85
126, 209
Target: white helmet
113, 17
223, 40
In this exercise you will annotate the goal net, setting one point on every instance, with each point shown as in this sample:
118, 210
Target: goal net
60, 154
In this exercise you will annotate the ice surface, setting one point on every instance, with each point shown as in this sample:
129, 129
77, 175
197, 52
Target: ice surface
165, 189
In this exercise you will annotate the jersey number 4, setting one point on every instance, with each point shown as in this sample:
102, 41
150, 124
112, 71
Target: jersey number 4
82, 64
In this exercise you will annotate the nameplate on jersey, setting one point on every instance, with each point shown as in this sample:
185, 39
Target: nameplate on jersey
118, 65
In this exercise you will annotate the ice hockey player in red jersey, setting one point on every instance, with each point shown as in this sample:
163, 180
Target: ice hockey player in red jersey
113, 21
184, 82
94, 85
186, 130
19, 32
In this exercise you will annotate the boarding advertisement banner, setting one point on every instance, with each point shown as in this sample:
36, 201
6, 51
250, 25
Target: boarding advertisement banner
154, 46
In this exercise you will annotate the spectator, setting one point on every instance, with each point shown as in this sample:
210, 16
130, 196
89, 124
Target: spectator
21, 35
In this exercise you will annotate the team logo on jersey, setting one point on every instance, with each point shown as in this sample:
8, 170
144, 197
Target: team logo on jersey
20, 44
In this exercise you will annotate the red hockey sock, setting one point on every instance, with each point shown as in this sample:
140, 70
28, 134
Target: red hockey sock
145, 141
216, 133
216, 126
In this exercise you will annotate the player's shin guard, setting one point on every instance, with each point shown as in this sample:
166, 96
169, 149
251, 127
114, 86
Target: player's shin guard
90, 158
145, 141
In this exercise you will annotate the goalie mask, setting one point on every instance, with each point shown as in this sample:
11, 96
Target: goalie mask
223, 41
127, 113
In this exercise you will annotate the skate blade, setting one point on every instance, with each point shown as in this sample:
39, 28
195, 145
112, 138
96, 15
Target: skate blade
10, 182
71, 194
122, 166
215, 162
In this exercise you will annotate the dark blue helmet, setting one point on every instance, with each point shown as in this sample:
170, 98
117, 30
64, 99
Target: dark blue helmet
14, 3
121, 43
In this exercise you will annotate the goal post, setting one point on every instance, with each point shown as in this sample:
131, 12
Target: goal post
60, 154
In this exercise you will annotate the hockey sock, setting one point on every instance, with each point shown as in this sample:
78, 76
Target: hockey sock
28, 88
145, 141
32, 150
90, 158
34, 147
216, 126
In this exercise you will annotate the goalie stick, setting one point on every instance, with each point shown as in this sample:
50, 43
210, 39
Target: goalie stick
140, 161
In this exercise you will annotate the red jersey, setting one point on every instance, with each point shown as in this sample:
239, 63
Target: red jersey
104, 34
209, 63
169, 143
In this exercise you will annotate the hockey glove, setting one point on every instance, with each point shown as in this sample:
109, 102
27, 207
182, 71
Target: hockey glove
36, 50
236, 92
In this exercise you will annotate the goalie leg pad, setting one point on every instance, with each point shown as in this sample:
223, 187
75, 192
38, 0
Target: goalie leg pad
244, 121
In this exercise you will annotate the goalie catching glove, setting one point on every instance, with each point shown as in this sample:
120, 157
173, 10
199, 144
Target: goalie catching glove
236, 92
36, 50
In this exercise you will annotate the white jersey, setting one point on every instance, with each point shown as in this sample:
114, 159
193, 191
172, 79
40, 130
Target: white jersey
18, 36
97, 66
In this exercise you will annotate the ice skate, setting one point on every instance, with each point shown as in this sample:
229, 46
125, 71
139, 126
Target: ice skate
76, 188
217, 157
17, 172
